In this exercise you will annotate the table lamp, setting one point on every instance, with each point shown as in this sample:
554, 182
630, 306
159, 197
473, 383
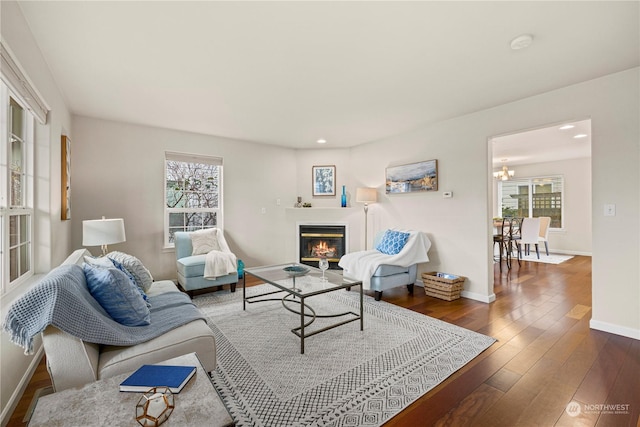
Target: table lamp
102, 232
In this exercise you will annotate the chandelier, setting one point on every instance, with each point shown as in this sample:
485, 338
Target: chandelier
504, 175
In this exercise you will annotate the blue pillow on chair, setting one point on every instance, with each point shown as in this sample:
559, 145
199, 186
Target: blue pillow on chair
119, 297
392, 242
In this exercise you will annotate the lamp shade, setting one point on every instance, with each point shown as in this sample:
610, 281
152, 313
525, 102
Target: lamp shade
98, 232
366, 195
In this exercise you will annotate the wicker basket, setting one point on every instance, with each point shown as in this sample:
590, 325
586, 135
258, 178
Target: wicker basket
442, 285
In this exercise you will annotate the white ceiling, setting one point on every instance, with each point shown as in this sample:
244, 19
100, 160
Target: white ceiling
543, 145
288, 73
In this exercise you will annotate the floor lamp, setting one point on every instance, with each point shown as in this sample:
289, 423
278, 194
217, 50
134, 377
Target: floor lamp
366, 195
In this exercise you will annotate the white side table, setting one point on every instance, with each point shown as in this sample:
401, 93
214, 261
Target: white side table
101, 403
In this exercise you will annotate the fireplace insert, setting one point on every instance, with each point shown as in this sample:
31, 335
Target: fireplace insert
318, 241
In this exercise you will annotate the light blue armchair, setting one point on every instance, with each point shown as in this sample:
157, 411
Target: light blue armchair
391, 276
379, 271
191, 268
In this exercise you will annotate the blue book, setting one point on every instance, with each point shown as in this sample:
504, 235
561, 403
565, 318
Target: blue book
149, 376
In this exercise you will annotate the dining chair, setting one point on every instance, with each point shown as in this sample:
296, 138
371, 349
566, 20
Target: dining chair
545, 222
498, 239
529, 233
514, 235
502, 238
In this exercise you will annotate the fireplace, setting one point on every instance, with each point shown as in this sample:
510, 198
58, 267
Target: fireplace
318, 240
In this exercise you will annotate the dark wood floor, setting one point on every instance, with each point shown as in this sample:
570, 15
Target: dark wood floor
545, 357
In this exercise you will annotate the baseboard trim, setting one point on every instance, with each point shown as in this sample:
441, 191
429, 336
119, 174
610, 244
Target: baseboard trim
564, 252
478, 297
22, 386
615, 329
32, 406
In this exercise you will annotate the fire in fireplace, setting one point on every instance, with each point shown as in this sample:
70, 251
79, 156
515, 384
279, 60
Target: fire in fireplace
318, 241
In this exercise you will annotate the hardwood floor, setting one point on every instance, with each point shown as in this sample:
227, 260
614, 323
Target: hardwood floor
545, 357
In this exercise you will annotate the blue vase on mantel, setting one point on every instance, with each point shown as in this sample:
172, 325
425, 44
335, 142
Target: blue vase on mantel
344, 197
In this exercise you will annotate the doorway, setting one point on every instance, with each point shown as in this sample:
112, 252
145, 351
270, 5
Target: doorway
547, 172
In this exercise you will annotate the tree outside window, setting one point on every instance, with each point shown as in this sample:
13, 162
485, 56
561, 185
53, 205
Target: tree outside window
192, 193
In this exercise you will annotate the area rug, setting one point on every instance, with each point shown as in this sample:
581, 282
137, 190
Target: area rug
346, 377
546, 259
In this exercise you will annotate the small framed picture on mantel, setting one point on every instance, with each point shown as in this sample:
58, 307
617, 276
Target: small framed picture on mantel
323, 180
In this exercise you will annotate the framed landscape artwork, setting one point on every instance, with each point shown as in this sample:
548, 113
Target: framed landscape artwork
323, 180
422, 176
66, 177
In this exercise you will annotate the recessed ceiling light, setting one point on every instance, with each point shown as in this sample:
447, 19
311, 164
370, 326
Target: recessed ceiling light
581, 135
522, 41
565, 127
321, 141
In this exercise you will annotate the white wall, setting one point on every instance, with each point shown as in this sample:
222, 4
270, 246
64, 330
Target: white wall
118, 172
460, 227
327, 209
52, 234
575, 237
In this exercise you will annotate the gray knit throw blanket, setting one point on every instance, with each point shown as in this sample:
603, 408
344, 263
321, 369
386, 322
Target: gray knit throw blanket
62, 299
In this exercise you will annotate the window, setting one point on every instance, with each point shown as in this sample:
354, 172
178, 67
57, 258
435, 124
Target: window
533, 197
16, 191
193, 193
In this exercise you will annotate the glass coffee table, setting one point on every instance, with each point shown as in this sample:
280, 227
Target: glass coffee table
299, 282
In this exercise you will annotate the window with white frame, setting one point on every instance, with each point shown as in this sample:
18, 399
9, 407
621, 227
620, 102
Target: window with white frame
193, 193
533, 197
16, 190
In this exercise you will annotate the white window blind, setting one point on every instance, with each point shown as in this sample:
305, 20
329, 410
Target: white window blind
12, 75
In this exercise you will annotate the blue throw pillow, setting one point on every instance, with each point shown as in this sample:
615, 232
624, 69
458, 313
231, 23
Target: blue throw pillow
392, 242
117, 295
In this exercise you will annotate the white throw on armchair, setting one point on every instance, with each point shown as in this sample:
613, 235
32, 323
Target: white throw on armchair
393, 262
204, 260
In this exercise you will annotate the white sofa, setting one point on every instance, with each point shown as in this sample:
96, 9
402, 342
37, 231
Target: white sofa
72, 362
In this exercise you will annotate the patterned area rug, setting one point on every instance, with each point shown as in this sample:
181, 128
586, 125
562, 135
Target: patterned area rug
346, 377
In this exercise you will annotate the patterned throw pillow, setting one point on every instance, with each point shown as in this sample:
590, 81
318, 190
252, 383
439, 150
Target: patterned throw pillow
117, 295
120, 267
204, 241
135, 267
392, 242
